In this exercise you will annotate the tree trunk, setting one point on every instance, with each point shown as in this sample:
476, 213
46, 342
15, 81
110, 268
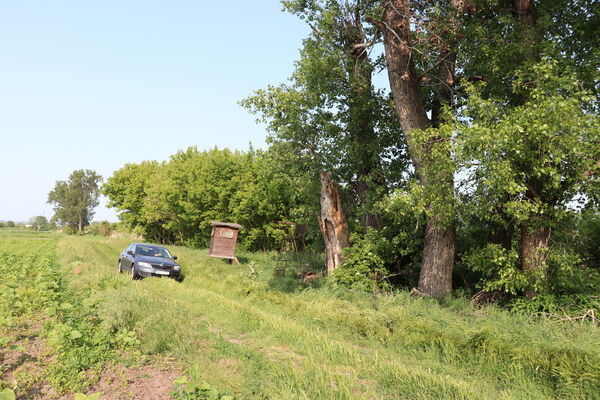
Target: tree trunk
524, 11
534, 240
438, 252
332, 223
534, 252
80, 224
438, 259
363, 190
364, 148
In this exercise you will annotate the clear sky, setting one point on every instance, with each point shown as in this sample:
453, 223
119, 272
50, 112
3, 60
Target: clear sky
98, 84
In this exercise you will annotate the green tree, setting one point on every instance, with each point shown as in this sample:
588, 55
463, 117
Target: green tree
421, 41
74, 200
533, 160
126, 191
530, 55
39, 223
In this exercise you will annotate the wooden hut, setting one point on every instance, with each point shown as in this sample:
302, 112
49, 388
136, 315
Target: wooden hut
223, 239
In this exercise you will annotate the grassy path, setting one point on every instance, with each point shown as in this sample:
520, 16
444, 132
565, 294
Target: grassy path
261, 337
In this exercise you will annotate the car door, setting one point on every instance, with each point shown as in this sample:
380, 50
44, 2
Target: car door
131, 257
127, 256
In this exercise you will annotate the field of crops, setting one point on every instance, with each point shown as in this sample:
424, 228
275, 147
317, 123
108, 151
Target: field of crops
254, 336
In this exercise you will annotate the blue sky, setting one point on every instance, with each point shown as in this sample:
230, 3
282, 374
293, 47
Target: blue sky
98, 84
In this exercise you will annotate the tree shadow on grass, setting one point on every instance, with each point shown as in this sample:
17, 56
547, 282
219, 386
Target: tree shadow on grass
292, 283
288, 283
243, 259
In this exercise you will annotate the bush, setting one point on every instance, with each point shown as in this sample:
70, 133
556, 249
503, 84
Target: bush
103, 228
500, 270
363, 269
69, 229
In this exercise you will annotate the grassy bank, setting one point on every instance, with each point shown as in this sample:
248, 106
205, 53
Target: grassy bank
262, 337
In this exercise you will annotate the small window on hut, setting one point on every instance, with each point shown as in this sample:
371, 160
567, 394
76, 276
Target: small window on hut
227, 233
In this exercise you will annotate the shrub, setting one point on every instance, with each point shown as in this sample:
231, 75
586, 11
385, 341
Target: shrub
69, 229
499, 269
103, 228
363, 269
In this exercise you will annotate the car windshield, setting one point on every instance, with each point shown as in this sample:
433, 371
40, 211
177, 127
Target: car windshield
153, 251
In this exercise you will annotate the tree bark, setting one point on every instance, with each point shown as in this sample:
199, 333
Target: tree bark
438, 252
534, 252
524, 11
438, 259
332, 223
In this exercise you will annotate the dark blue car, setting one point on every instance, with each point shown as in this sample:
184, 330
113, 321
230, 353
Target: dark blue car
144, 260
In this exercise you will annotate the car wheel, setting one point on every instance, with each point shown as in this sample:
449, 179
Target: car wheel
134, 274
120, 267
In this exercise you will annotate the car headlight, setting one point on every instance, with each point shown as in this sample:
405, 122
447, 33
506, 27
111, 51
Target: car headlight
176, 268
145, 265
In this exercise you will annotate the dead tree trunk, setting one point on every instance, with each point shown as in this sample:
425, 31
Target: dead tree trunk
332, 223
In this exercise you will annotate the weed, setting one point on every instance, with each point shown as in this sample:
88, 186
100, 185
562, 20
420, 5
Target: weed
195, 388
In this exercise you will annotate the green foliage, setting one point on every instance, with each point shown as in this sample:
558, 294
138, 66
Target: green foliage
40, 223
176, 201
10, 224
363, 269
7, 394
102, 228
69, 229
74, 200
330, 116
195, 388
32, 286
500, 269
81, 396
256, 339
533, 159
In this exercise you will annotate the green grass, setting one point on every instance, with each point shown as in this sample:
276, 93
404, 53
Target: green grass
258, 336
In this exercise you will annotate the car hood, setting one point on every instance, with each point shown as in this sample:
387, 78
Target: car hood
156, 260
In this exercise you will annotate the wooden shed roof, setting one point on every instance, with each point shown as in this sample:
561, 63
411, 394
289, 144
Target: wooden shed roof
227, 224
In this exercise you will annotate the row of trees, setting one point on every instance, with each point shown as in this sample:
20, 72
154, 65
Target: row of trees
175, 201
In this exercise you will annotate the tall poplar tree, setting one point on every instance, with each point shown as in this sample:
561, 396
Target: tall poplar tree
74, 200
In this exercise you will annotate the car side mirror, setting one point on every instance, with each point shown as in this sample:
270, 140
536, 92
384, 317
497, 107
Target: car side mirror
130, 252
174, 257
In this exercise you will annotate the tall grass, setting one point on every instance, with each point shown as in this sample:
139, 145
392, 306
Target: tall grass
272, 337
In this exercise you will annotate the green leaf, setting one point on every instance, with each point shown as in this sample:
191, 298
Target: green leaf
75, 334
182, 380
80, 396
7, 394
